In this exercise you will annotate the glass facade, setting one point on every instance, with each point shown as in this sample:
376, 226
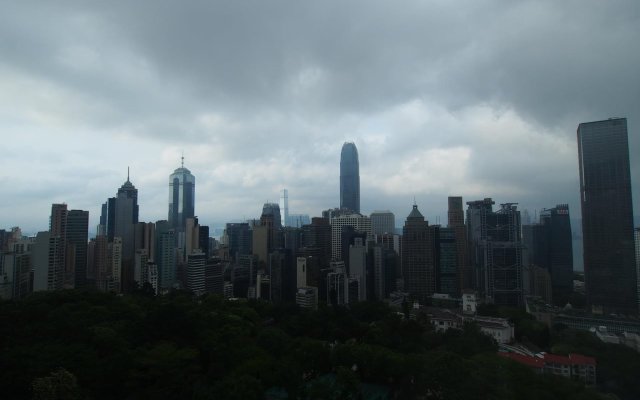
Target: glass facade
182, 192
607, 216
349, 178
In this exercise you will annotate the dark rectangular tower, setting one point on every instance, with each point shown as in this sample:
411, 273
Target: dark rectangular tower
77, 240
607, 216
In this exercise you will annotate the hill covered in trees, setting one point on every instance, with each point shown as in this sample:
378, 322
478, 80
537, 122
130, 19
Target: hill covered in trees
73, 344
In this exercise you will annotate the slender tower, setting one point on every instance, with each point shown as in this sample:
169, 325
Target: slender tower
284, 207
349, 178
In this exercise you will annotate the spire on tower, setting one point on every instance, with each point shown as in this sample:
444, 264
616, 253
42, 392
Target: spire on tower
182, 159
127, 174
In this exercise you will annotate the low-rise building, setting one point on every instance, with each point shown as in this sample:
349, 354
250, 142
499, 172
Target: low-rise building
307, 297
574, 366
498, 328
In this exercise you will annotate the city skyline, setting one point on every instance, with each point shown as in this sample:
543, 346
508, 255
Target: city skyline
88, 91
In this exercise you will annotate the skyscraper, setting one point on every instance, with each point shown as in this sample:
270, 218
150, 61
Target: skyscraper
284, 207
182, 192
607, 216
57, 247
559, 251
349, 178
636, 235
383, 222
417, 257
359, 222
495, 241
455, 221
126, 216
77, 237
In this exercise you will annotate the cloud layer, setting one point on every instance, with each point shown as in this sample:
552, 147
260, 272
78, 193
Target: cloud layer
479, 99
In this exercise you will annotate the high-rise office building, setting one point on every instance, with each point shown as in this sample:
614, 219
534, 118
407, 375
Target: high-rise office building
496, 251
126, 216
267, 236
238, 239
445, 260
359, 222
182, 193
358, 266
108, 219
637, 240
455, 221
559, 251
417, 257
57, 248
77, 240
607, 216
284, 207
166, 255
383, 222
349, 178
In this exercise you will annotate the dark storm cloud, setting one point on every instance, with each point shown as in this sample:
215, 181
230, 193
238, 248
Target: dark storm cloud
472, 98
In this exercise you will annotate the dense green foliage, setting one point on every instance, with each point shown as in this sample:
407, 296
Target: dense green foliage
72, 344
617, 366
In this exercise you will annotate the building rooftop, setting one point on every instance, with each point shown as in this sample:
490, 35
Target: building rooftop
534, 362
579, 359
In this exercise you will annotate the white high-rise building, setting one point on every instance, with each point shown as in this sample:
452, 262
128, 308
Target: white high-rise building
284, 207
359, 222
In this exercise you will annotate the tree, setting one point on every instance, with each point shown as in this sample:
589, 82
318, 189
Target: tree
59, 385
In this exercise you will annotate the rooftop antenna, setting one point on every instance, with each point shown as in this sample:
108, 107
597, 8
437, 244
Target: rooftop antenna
414, 201
127, 173
182, 158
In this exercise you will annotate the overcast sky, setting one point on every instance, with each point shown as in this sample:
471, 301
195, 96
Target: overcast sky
471, 98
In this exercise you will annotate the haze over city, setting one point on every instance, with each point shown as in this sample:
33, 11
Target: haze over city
469, 99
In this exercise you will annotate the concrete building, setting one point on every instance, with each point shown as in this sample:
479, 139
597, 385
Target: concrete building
574, 366
359, 222
337, 284
40, 261
443, 319
496, 246
196, 265
307, 297
358, 267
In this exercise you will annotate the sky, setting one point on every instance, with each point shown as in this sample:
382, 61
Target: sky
470, 98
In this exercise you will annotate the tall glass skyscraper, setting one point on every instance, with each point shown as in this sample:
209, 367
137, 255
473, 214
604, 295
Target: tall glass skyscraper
349, 178
607, 216
182, 194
